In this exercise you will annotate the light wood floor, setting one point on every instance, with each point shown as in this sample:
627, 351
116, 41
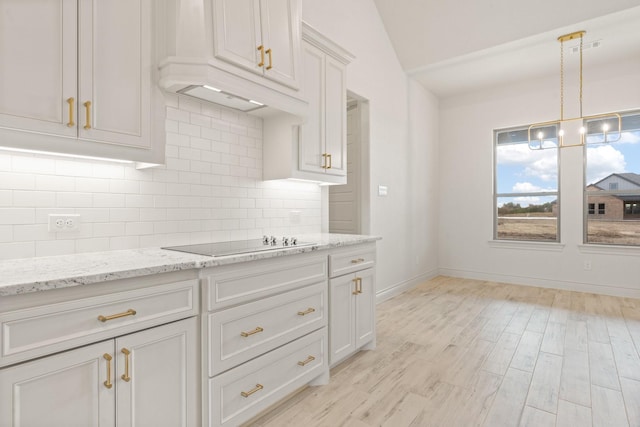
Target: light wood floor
456, 352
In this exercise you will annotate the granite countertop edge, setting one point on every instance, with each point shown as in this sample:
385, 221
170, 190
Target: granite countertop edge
28, 275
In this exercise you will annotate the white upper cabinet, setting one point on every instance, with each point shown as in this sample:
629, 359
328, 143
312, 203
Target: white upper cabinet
114, 63
38, 65
315, 150
261, 36
76, 75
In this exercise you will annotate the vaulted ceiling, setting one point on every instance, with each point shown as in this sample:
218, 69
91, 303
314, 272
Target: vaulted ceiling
454, 46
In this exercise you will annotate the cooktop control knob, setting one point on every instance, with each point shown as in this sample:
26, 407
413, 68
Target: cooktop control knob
273, 240
265, 239
285, 241
294, 241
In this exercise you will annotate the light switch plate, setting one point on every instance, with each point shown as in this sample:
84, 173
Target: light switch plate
382, 190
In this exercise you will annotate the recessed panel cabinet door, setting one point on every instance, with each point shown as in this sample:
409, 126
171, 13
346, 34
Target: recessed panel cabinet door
281, 37
157, 382
312, 131
236, 25
336, 115
341, 317
365, 316
66, 389
115, 71
38, 68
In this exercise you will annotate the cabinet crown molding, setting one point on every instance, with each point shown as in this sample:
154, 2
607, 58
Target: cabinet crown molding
328, 46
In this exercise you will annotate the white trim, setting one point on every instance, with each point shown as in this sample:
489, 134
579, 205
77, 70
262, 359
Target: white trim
609, 249
617, 291
531, 246
401, 287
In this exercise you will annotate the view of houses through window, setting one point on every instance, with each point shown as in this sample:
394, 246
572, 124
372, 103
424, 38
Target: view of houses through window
612, 187
526, 195
526, 186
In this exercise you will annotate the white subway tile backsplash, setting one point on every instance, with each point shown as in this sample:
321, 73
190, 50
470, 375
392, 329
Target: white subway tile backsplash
210, 189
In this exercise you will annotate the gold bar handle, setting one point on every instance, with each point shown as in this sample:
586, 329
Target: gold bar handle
330, 162
307, 360
87, 105
250, 392
261, 49
255, 331
108, 383
359, 285
71, 123
268, 51
357, 261
307, 311
129, 312
126, 376
356, 282
324, 165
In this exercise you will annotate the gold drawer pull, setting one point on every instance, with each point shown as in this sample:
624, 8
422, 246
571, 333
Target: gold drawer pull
261, 49
359, 285
108, 383
255, 331
307, 311
87, 106
330, 163
129, 312
356, 292
308, 360
357, 261
250, 392
71, 122
126, 376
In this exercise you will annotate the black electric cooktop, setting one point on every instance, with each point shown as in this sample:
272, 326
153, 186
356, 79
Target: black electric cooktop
237, 247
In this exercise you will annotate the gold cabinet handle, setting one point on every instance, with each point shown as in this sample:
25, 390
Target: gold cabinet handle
307, 311
307, 360
129, 312
126, 376
87, 106
261, 49
268, 51
357, 261
250, 392
330, 163
108, 383
355, 292
359, 285
324, 162
71, 123
255, 331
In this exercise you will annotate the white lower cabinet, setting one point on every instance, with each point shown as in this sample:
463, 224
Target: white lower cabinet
147, 378
351, 302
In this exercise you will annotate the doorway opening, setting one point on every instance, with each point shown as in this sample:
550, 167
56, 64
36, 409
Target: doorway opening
349, 204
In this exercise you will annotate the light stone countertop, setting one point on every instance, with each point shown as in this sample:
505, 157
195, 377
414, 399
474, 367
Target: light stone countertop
21, 276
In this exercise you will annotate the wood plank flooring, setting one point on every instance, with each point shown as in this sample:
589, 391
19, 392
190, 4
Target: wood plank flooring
456, 352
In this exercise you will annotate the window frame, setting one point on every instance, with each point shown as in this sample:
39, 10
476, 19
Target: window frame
497, 195
585, 193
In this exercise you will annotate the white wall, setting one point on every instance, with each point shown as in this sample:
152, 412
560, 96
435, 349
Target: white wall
466, 204
209, 190
403, 133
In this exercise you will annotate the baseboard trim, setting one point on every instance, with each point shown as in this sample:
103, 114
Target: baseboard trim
542, 283
401, 287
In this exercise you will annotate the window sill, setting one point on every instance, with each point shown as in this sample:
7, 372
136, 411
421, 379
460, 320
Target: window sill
609, 249
527, 246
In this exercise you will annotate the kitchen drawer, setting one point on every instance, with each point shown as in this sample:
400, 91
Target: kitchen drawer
266, 380
343, 261
32, 332
241, 333
238, 283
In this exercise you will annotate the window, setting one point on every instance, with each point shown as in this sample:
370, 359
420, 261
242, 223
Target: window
526, 185
613, 182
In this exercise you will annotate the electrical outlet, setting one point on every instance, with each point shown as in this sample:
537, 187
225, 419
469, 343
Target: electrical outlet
587, 265
63, 223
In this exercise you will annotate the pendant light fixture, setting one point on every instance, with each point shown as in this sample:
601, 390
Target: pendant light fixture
583, 126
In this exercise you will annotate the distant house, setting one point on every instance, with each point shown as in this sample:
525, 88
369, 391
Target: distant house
618, 207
